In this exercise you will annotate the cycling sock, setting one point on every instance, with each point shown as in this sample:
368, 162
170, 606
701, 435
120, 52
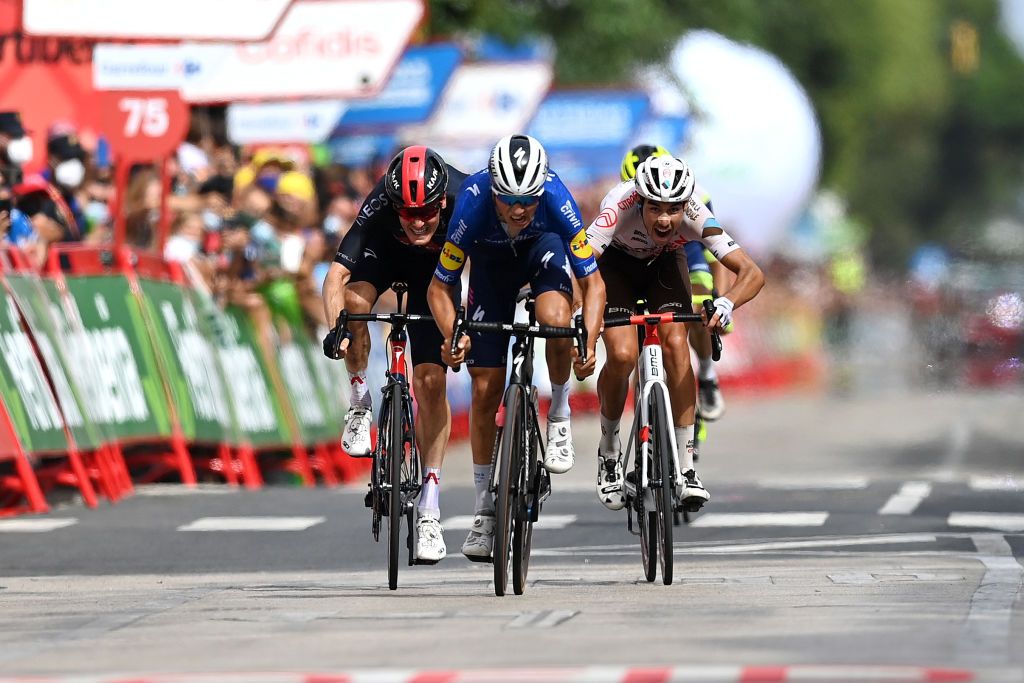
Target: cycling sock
482, 483
429, 505
360, 395
609, 444
559, 409
706, 369
684, 442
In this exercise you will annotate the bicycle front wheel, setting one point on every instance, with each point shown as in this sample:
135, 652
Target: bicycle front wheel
647, 519
506, 502
395, 454
529, 504
661, 459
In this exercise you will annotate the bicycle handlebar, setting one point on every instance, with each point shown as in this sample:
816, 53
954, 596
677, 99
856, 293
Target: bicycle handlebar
344, 317
655, 318
578, 332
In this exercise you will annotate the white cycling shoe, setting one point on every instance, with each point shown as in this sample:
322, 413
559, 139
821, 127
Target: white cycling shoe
692, 494
356, 438
430, 547
559, 455
609, 482
480, 540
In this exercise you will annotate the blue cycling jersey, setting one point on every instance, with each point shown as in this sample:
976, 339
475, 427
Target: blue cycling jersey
475, 224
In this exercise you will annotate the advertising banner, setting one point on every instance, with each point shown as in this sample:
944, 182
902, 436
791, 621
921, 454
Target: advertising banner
484, 102
411, 92
305, 394
306, 121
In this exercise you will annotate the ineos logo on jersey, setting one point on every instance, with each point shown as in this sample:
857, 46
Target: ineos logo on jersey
520, 157
607, 218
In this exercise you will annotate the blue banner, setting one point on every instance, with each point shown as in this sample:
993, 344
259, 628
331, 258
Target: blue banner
411, 92
362, 150
589, 119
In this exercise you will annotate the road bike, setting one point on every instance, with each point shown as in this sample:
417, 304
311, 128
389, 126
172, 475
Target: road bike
518, 480
650, 486
395, 477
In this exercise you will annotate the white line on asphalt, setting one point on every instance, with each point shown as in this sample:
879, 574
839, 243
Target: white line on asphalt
545, 522
824, 484
1000, 521
886, 539
162, 490
906, 500
738, 519
986, 633
997, 482
542, 619
32, 526
251, 524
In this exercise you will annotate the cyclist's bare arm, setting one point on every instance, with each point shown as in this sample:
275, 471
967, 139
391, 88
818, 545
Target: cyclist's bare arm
749, 278
334, 291
594, 298
441, 299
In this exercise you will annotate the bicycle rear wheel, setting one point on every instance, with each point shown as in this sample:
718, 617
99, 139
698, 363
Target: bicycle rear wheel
661, 457
528, 507
506, 503
395, 453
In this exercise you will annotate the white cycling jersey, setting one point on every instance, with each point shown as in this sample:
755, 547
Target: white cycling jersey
621, 224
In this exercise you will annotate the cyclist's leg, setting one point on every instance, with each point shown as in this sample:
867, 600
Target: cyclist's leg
700, 284
552, 287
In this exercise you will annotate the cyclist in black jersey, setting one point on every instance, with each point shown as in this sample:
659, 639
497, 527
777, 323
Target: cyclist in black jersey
397, 237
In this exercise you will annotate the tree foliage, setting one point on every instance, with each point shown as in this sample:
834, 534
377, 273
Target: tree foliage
920, 146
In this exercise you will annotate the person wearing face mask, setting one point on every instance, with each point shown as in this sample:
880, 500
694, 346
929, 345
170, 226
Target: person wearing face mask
15, 144
66, 170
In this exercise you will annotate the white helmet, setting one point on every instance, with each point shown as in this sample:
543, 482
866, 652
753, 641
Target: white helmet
518, 166
664, 179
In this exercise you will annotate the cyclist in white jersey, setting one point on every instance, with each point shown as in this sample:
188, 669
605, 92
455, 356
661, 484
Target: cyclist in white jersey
639, 236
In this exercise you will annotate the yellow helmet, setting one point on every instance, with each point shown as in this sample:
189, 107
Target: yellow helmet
635, 157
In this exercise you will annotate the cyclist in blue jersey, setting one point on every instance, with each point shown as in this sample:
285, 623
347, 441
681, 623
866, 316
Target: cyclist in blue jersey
520, 225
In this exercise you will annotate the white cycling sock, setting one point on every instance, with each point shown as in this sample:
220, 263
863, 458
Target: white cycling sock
482, 483
429, 505
706, 369
609, 445
360, 395
559, 409
684, 442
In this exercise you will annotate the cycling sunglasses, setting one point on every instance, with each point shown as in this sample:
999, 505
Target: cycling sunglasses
418, 213
512, 199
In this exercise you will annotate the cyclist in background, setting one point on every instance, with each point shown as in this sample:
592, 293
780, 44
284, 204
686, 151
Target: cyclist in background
639, 236
520, 225
706, 277
397, 237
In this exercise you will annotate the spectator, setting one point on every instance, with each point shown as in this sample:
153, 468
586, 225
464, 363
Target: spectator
15, 145
66, 170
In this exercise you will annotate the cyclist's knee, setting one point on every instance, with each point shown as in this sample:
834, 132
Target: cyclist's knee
360, 297
429, 383
488, 383
619, 359
553, 308
676, 345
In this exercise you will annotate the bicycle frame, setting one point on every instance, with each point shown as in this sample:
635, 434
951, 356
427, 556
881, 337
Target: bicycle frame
651, 373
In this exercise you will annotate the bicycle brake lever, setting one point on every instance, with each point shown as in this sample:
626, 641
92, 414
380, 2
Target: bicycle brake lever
716, 338
581, 340
458, 329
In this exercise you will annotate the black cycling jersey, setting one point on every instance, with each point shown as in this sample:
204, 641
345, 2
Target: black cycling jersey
377, 216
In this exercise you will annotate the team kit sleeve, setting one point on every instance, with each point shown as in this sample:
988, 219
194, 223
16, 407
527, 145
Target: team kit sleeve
468, 216
602, 230
566, 216
699, 218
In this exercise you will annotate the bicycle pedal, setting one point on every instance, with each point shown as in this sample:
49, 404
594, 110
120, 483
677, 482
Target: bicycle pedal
424, 562
691, 507
368, 499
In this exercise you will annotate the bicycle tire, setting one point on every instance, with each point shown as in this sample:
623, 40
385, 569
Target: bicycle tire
395, 453
645, 519
662, 460
529, 486
505, 501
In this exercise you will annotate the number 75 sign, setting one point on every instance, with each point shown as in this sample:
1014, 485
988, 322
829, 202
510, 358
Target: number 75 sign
143, 125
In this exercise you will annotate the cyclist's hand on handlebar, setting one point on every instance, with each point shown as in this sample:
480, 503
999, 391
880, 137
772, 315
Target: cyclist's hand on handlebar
584, 370
723, 314
331, 342
454, 360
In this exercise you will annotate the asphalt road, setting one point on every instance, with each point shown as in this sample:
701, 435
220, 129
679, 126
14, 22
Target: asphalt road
851, 534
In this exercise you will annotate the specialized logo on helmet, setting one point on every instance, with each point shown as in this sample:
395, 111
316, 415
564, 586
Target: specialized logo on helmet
520, 157
452, 257
580, 246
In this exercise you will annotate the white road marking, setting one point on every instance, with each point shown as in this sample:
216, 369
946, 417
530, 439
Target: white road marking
906, 500
465, 522
986, 633
167, 490
542, 619
251, 524
1004, 482
824, 484
1000, 521
34, 526
861, 578
740, 519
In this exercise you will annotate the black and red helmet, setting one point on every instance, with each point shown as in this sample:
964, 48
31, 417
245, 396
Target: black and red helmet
416, 177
